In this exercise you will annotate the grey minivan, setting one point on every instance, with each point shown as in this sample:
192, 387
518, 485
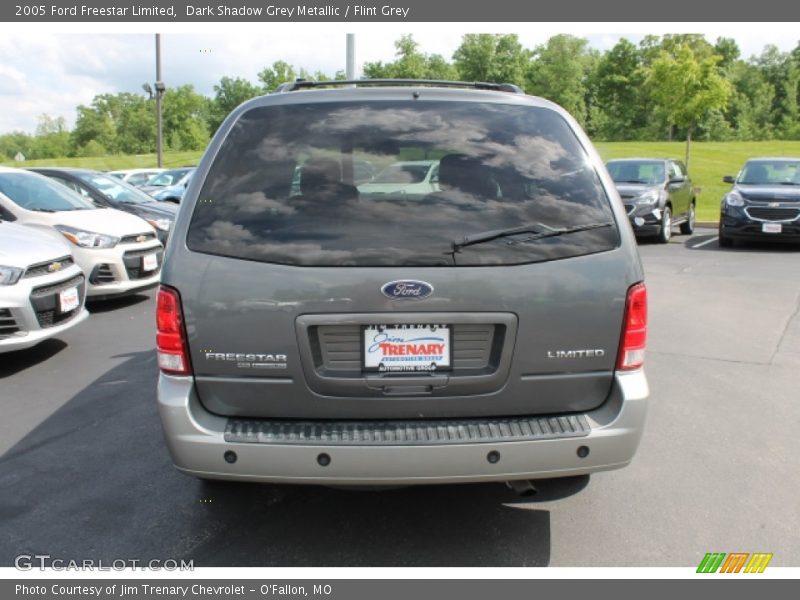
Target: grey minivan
492, 330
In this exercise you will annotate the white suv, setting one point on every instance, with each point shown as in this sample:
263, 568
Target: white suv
119, 252
42, 290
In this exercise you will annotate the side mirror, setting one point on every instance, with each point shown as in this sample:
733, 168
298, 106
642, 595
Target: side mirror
728, 179
680, 179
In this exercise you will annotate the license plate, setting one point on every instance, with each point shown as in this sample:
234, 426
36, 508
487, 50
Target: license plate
407, 348
149, 262
771, 227
68, 300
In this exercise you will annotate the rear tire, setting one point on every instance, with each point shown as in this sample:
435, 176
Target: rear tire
665, 233
687, 227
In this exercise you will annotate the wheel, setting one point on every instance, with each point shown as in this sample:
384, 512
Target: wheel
665, 233
687, 227
724, 240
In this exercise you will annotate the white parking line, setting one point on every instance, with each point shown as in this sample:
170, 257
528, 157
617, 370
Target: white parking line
713, 239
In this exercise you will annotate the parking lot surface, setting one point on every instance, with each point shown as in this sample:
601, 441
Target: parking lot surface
84, 472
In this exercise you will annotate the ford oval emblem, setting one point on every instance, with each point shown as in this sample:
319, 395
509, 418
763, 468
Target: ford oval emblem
407, 289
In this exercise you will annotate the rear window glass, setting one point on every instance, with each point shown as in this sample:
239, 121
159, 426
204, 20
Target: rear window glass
286, 186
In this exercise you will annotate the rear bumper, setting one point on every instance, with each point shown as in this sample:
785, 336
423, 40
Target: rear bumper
196, 441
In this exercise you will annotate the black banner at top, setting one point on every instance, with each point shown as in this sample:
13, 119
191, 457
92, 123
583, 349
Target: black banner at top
465, 11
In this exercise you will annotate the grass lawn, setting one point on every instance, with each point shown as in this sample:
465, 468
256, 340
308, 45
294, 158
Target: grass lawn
708, 163
115, 161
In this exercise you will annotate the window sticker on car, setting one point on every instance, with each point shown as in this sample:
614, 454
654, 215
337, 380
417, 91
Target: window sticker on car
68, 300
407, 348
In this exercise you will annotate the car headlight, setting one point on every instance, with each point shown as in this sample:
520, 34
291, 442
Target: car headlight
734, 199
87, 239
650, 197
162, 224
10, 275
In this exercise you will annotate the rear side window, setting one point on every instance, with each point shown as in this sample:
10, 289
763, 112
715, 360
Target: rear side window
288, 186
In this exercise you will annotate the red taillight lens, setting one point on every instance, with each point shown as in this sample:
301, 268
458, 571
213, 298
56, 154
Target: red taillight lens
170, 340
634, 329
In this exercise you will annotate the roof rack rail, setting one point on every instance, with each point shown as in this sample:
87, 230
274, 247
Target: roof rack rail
301, 84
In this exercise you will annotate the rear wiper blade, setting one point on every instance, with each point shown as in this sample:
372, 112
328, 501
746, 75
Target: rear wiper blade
539, 231
562, 231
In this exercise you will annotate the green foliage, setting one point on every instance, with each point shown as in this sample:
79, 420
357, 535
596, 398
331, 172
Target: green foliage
620, 100
229, 93
560, 71
491, 57
272, 77
685, 85
410, 64
672, 85
184, 118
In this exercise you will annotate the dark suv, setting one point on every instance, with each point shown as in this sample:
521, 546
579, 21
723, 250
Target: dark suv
764, 202
493, 329
657, 194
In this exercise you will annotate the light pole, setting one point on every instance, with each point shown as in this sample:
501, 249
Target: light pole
160, 87
157, 94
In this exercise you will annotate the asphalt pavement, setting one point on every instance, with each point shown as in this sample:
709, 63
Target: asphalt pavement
84, 472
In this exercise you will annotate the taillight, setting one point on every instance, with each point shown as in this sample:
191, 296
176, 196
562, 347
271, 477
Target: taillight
173, 357
634, 329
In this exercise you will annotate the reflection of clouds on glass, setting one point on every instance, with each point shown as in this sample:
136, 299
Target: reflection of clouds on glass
257, 203
398, 121
521, 165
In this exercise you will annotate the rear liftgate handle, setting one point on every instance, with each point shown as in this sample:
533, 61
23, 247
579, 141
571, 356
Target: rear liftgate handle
406, 386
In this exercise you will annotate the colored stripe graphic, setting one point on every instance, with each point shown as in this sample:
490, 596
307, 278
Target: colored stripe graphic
734, 562
758, 562
711, 562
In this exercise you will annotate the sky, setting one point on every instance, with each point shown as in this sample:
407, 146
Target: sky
52, 71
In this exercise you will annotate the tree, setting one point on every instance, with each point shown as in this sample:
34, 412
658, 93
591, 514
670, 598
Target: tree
229, 93
16, 141
135, 125
52, 137
684, 88
559, 72
96, 122
491, 57
620, 97
410, 64
184, 118
272, 77
783, 73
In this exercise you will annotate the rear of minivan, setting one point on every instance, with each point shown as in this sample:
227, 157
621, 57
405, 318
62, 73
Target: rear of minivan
493, 329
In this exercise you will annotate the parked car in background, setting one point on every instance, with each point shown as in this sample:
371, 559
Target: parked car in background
108, 192
764, 203
492, 331
167, 179
136, 177
413, 177
42, 290
173, 193
119, 252
658, 194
